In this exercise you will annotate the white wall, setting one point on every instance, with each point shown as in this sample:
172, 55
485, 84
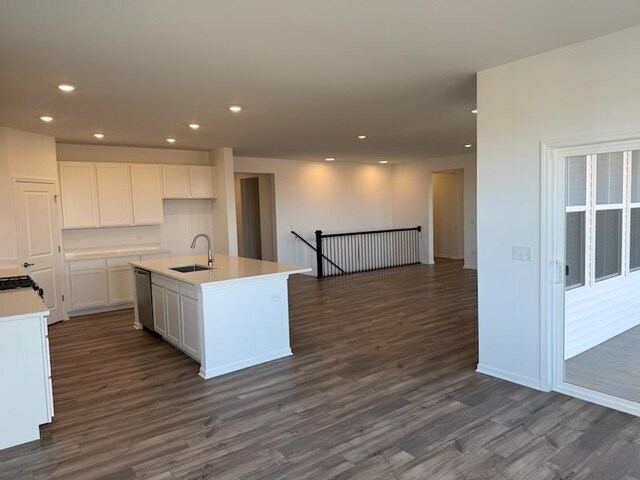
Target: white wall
332, 197
22, 154
224, 208
448, 213
182, 218
413, 205
590, 88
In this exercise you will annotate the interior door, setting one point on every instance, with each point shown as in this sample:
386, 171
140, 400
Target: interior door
38, 237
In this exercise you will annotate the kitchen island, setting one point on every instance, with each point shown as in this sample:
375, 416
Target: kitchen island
26, 391
228, 317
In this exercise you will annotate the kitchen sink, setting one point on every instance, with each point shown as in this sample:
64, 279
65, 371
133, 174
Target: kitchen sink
190, 268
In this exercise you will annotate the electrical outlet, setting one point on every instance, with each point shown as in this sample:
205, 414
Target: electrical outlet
522, 254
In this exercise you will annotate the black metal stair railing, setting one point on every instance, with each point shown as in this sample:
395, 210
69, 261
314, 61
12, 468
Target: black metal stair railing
351, 252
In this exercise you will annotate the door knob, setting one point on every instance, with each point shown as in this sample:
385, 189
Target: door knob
25, 264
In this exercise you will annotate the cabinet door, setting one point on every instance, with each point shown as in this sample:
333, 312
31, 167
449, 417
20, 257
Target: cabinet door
175, 181
114, 194
120, 281
159, 309
190, 326
172, 305
202, 181
79, 193
146, 194
88, 288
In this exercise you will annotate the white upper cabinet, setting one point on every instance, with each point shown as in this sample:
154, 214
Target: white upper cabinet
78, 185
175, 181
202, 182
146, 192
114, 194
182, 181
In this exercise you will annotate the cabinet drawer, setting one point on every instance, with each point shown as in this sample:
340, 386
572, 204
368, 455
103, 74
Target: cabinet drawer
188, 290
78, 265
166, 282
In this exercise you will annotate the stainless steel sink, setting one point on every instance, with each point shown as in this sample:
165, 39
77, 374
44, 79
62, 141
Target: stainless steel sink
190, 268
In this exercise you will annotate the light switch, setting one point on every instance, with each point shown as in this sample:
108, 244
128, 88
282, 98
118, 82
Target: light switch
522, 254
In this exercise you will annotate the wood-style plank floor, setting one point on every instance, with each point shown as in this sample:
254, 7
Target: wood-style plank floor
381, 386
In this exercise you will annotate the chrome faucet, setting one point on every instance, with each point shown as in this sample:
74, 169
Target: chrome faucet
209, 247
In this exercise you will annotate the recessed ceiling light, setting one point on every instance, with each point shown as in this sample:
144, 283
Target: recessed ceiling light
474, 111
46, 118
194, 126
65, 87
383, 161
99, 135
329, 159
235, 108
171, 140
468, 145
362, 137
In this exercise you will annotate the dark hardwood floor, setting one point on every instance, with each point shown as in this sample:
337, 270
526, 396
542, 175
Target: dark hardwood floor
381, 386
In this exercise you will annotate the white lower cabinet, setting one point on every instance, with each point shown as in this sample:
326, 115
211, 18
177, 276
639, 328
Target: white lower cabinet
101, 284
88, 289
159, 309
26, 396
174, 330
190, 337
176, 314
121, 286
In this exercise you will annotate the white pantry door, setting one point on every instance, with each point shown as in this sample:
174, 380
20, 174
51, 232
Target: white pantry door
37, 233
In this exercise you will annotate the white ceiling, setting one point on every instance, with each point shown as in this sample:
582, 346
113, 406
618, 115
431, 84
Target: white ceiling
311, 74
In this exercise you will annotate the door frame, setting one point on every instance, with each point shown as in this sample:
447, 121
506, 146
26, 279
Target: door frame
459, 174
54, 182
552, 258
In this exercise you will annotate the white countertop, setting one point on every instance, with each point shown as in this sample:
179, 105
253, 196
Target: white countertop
226, 269
23, 302
9, 272
108, 252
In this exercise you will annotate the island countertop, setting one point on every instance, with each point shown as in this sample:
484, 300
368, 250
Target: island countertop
226, 268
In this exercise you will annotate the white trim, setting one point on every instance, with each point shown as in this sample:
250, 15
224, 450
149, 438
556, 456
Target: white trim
470, 266
599, 398
17, 179
247, 362
103, 309
530, 382
552, 296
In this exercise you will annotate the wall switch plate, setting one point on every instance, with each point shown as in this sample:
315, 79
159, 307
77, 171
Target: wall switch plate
522, 254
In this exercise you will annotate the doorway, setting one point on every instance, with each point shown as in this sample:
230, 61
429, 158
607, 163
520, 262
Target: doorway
591, 272
448, 215
255, 211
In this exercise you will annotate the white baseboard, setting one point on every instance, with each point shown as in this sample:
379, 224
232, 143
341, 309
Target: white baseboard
248, 362
470, 267
90, 311
510, 377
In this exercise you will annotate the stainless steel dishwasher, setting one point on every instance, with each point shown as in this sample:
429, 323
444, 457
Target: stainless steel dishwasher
143, 295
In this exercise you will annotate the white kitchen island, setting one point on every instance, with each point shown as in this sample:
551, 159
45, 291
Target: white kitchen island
228, 318
26, 392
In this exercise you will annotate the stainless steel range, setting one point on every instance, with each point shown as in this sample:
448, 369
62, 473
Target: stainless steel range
22, 281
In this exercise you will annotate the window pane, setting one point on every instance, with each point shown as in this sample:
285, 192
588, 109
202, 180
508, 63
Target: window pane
635, 176
634, 252
576, 181
574, 252
608, 243
609, 178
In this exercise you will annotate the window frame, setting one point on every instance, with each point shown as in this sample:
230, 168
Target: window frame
591, 207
